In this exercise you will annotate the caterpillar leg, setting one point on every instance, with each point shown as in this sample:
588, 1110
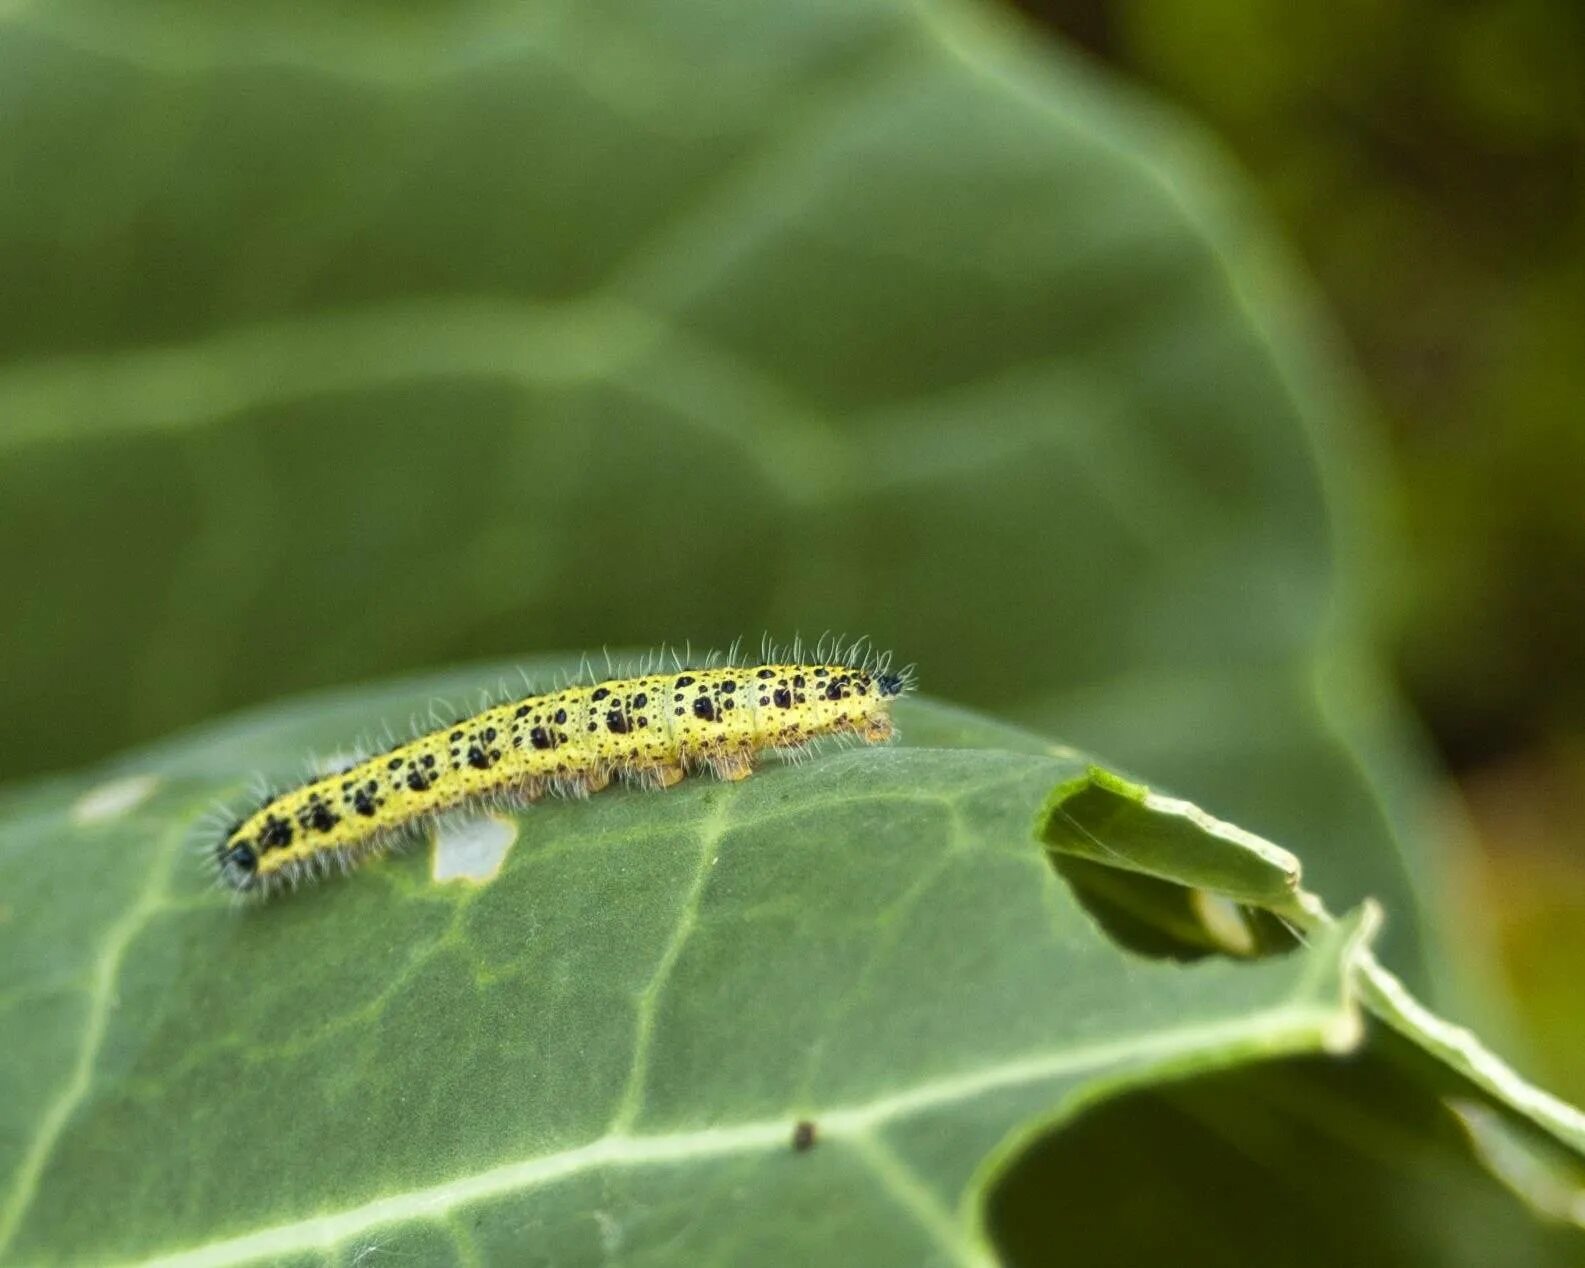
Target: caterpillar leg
663, 775
878, 730
732, 766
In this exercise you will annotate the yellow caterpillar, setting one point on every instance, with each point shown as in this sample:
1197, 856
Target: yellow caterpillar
651, 729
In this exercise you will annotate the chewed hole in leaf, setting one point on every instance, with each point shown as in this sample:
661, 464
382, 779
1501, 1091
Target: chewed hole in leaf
1168, 921
1165, 879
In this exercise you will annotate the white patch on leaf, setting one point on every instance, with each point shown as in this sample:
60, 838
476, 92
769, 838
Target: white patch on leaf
113, 799
471, 848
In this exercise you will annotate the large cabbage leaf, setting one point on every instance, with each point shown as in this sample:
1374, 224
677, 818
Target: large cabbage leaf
811, 1017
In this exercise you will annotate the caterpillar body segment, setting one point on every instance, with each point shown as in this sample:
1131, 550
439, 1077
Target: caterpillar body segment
652, 730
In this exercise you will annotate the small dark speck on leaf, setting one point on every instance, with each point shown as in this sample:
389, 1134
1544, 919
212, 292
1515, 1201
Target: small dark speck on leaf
803, 1136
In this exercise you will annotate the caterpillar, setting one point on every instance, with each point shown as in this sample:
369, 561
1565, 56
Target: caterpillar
651, 729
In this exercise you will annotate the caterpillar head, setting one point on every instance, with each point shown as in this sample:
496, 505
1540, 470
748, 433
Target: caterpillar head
237, 860
875, 693
888, 685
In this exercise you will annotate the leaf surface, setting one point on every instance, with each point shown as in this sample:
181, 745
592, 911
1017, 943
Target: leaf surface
603, 1052
615, 1035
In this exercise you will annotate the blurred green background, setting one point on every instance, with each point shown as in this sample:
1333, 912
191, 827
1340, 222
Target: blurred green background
1428, 160
338, 347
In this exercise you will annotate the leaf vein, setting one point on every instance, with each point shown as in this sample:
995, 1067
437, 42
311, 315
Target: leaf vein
1281, 1030
101, 1001
898, 1179
710, 835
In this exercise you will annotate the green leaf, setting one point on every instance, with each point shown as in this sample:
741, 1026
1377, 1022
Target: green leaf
605, 1049
1164, 835
1101, 818
348, 342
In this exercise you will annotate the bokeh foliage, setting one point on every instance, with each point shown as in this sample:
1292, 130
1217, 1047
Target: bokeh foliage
328, 357
1429, 161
